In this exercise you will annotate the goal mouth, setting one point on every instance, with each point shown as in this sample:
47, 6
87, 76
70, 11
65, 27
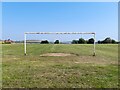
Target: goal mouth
58, 54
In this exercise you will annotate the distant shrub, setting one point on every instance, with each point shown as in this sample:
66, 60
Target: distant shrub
107, 40
81, 41
75, 42
56, 42
90, 41
44, 42
113, 41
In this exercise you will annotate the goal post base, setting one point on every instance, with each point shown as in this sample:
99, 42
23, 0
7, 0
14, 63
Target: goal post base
94, 54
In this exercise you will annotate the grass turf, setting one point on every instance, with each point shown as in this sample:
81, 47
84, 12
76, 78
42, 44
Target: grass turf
80, 71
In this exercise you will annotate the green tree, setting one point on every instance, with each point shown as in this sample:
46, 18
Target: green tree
113, 41
90, 41
56, 42
81, 41
44, 42
107, 40
75, 42
99, 42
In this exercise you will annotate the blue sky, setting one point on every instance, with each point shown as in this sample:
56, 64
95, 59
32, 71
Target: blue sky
21, 17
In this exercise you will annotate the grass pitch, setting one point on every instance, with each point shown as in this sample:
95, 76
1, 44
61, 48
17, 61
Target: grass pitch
81, 70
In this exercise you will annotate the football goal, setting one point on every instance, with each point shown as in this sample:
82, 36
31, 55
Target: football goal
26, 33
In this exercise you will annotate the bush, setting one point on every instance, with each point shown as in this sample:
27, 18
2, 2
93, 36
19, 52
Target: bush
81, 41
44, 42
107, 40
90, 41
56, 42
113, 41
99, 42
75, 42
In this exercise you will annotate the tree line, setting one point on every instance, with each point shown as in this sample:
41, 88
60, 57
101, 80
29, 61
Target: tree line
83, 41
47, 42
107, 40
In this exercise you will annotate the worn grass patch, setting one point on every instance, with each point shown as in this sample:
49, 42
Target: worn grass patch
56, 54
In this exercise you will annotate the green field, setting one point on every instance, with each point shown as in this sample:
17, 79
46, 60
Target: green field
82, 70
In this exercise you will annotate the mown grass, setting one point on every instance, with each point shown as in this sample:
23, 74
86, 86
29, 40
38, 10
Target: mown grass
80, 71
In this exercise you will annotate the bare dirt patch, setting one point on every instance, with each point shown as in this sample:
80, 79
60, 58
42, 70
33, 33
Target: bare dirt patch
57, 54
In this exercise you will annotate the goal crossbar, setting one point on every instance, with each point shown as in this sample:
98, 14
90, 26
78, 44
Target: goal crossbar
25, 45
59, 33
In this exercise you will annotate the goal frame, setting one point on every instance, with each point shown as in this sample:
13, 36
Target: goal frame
25, 35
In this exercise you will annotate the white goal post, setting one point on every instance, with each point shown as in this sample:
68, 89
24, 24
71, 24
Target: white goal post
25, 34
